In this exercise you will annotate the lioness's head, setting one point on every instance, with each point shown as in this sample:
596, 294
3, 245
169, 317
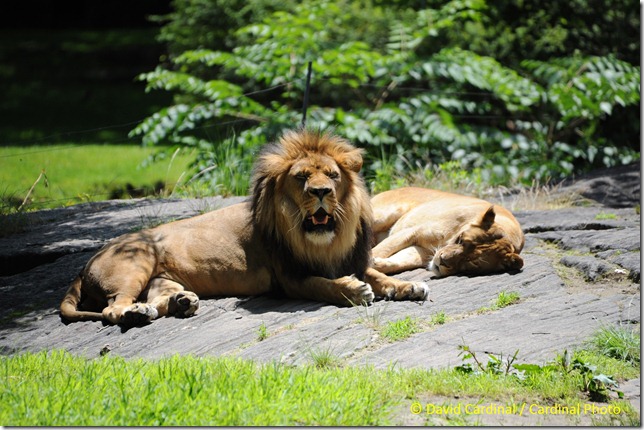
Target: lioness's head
307, 192
478, 248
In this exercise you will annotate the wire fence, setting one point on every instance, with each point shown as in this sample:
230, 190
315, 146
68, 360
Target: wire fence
227, 123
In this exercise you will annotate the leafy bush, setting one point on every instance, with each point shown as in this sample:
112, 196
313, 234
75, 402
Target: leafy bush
399, 98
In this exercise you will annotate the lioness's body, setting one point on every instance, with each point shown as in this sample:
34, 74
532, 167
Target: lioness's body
306, 231
445, 232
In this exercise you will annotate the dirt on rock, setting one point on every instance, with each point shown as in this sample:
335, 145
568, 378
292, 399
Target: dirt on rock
582, 271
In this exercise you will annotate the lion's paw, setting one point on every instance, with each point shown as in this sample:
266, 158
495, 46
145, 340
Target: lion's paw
419, 291
138, 314
187, 304
360, 292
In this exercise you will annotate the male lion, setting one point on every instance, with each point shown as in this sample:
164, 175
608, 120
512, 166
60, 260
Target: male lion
306, 231
444, 232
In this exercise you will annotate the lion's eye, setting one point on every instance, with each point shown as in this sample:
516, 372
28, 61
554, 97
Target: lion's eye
301, 176
333, 175
459, 239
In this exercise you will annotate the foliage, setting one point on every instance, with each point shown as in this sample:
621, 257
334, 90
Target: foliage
567, 366
535, 119
495, 365
209, 23
513, 30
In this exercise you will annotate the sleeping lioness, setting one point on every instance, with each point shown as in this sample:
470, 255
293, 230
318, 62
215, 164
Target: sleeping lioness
444, 232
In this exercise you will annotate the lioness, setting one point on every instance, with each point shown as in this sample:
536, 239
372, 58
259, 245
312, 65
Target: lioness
306, 230
444, 232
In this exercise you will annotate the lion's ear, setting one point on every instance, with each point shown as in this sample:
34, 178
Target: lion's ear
488, 218
351, 160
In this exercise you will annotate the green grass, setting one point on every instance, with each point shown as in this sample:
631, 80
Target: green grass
617, 342
503, 299
400, 329
506, 298
57, 389
438, 318
605, 216
324, 358
79, 173
262, 332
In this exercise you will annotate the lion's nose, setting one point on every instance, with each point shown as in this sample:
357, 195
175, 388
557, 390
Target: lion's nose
319, 192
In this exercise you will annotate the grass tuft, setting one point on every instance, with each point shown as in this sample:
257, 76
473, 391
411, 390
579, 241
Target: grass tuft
617, 342
400, 329
438, 318
505, 299
262, 332
324, 358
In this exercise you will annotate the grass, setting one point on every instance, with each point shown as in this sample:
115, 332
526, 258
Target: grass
617, 342
503, 299
79, 173
506, 298
605, 216
324, 358
400, 329
58, 389
438, 318
262, 332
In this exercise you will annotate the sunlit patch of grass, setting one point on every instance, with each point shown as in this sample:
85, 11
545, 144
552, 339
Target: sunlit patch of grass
619, 342
80, 173
57, 389
400, 329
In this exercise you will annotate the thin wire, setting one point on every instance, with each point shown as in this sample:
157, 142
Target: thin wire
236, 121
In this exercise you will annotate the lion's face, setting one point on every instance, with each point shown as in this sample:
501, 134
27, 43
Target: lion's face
479, 249
308, 194
315, 183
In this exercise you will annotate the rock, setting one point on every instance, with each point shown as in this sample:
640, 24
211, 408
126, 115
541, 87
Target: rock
591, 267
553, 313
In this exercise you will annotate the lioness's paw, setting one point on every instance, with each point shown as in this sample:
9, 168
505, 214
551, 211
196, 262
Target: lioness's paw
187, 303
419, 291
138, 314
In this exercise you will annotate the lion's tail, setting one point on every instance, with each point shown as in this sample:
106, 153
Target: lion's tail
69, 306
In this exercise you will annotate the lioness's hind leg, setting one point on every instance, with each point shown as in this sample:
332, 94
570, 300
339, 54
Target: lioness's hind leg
391, 288
170, 298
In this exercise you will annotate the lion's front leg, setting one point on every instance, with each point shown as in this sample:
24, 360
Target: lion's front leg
394, 289
345, 291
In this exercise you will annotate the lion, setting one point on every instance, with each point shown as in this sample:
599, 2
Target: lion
446, 233
305, 231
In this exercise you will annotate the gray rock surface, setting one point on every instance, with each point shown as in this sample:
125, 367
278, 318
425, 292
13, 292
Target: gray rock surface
581, 271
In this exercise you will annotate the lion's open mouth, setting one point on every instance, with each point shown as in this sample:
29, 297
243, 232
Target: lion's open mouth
320, 221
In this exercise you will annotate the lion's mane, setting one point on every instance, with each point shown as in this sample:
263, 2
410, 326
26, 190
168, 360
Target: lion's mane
349, 251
